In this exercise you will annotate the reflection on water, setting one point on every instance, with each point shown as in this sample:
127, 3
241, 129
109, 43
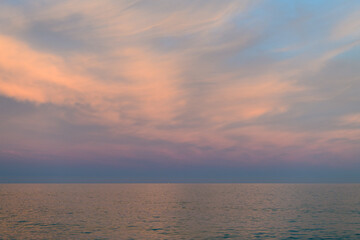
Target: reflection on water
179, 211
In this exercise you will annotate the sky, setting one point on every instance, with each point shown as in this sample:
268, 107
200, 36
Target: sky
179, 91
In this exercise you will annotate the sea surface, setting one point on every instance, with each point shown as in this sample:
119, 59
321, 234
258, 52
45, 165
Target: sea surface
179, 211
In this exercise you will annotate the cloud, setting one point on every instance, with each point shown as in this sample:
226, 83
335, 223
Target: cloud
45, 78
348, 28
352, 119
183, 81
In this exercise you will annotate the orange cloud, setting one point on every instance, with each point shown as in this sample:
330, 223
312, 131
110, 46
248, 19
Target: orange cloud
131, 83
250, 98
146, 79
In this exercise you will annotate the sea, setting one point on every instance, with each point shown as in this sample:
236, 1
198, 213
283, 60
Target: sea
179, 211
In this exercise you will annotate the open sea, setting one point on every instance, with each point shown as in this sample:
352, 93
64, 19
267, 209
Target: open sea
179, 211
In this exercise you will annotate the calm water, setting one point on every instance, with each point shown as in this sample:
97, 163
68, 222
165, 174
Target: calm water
179, 211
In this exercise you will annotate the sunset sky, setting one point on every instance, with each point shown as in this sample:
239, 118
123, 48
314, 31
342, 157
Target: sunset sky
180, 90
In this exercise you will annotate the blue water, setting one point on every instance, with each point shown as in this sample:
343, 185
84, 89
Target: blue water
179, 211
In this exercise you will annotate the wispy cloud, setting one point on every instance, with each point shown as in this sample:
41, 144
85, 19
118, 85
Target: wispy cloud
181, 81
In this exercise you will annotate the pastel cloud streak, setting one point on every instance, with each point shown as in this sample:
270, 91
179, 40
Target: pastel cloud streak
208, 83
